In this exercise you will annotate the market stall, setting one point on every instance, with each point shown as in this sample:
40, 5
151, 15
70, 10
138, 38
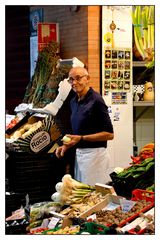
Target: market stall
78, 208
42, 197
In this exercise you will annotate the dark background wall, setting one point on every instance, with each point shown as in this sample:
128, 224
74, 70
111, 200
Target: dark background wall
17, 54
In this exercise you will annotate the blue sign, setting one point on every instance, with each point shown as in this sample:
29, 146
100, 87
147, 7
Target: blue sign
36, 16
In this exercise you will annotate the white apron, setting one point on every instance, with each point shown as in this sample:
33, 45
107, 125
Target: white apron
91, 165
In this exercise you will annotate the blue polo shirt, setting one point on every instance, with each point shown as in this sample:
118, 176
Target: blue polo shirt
89, 116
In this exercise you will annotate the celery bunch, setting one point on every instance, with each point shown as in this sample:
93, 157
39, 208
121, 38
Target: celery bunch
70, 190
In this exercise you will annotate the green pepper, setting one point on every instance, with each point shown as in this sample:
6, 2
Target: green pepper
124, 174
149, 165
136, 175
146, 161
140, 169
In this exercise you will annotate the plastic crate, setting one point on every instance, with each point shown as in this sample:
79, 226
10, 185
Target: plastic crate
16, 227
139, 194
34, 174
94, 228
122, 186
13, 202
133, 232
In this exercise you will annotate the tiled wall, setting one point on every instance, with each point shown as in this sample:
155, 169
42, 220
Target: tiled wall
79, 35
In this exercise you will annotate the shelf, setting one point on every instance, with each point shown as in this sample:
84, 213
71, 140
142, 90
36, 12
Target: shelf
143, 103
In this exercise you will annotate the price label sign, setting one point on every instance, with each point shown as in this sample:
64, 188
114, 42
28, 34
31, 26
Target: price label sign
53, 222
126, 205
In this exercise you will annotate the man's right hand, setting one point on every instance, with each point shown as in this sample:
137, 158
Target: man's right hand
61, 150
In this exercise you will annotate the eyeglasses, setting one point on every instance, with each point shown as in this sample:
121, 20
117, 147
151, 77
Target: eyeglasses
77, 78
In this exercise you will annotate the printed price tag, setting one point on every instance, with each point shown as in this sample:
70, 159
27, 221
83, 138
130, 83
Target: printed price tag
126, 205
53, 222
111, 206
45, 223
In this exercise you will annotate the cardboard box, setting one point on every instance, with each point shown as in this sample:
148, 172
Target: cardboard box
105, 189
42, 136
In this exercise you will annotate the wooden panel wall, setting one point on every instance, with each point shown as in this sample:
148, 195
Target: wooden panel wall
17, 52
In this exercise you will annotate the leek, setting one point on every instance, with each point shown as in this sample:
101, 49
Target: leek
145, 12
136, 18
152, 26
143, 22
149, 29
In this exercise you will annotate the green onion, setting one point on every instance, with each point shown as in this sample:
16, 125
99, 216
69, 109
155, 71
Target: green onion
72, 190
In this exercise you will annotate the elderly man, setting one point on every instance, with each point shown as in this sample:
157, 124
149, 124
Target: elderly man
91, 129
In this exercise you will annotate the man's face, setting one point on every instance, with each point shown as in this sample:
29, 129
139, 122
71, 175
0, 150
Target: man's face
78, 79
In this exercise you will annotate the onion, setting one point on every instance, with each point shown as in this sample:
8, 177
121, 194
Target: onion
66, 139
58, 186
55, 197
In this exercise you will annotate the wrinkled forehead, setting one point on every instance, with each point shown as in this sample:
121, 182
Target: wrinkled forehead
78, 71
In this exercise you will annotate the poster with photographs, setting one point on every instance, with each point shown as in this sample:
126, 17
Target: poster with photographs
117, 70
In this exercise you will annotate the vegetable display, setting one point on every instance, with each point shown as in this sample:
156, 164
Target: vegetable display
140, 173
137, 169
86, 202
117, 216
146, 151
66, 230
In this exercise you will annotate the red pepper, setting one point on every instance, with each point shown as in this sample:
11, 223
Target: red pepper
136, 159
